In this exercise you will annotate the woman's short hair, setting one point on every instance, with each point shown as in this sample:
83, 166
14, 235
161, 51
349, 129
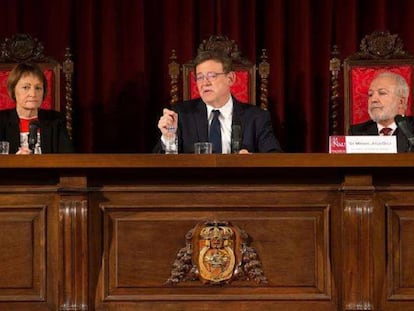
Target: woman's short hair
21, 70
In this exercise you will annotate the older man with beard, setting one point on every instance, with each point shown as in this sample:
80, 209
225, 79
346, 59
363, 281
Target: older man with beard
387, 97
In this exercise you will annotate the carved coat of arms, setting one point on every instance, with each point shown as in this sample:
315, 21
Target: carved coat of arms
216, 252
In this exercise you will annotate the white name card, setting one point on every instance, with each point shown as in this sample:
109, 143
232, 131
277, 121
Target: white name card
362, 144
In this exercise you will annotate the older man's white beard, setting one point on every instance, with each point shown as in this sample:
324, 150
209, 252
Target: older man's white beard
382, 116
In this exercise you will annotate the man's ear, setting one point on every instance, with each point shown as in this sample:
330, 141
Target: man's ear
232, 77
402, 105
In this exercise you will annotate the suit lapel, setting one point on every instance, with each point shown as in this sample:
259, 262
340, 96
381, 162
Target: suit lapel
13, 127
238, 114
372, 129
201, 122
45, 131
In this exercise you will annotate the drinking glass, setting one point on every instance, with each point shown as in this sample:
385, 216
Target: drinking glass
171, 141
4, 147
203, 148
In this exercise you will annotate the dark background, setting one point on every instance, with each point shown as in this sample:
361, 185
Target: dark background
121, 51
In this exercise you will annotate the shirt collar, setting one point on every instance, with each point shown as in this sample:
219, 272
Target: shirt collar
392, 126
225, 111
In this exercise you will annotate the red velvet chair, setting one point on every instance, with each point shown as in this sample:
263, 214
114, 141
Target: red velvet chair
24, 48
244, 89
379, 52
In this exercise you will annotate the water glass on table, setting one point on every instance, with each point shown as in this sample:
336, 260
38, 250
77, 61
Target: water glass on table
203, 148
171, 141
4, 147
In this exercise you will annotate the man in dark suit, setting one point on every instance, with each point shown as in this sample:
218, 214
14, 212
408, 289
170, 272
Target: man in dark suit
213, 116
387, 97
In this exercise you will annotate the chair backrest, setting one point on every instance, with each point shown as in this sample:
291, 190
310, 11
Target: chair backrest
23, 48
379, 52
244, 89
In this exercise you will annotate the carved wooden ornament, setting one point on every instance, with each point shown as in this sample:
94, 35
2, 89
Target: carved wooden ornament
216, 252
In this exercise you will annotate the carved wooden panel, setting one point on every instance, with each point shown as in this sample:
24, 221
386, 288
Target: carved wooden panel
401, 252
74, 249
23, 252
142, 233
101, 232
358, 255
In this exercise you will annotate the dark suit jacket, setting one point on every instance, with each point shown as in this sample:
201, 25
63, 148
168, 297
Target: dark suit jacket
256, 127
370, 128
53, 133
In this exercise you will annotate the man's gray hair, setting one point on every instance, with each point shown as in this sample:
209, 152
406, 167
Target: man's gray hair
402, 89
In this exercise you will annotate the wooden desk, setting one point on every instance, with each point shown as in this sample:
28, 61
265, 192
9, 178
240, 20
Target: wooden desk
100, 232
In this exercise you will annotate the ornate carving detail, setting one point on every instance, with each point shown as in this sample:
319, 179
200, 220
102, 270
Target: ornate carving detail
381, 45
216, 252
73, 229
359, 208
68, 71
335, 68
174, 72
358, 243
224, 44
22, 48
264, 70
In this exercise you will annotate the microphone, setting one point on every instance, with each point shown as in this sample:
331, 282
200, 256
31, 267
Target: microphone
402, 124
236, 136
32, 138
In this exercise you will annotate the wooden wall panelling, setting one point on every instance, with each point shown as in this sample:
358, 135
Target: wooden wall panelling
73, 246
100, 232
23, 256
28, 248
357, 248
401, 250
74, 254
143, 230
398, 292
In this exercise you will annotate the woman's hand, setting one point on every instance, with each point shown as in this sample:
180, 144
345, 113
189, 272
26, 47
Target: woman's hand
24, 150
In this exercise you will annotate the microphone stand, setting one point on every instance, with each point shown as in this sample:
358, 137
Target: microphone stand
403, 125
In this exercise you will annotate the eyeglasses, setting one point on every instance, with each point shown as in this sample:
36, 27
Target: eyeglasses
210, 76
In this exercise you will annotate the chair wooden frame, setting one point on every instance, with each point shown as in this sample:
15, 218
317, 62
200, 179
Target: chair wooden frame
379, 51
240, 63
23, 48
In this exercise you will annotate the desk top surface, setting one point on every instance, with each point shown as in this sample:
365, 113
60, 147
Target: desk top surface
282, 160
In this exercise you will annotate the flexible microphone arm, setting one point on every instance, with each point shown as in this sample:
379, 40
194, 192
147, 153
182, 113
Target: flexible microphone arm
236, 137
32, 138
402, 124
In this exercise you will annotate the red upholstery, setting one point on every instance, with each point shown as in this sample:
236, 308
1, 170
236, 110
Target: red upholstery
360, 79
6, 102
240, 89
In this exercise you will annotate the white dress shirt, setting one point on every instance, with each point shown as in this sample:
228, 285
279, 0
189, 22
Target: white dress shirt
392, 126
225, 117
